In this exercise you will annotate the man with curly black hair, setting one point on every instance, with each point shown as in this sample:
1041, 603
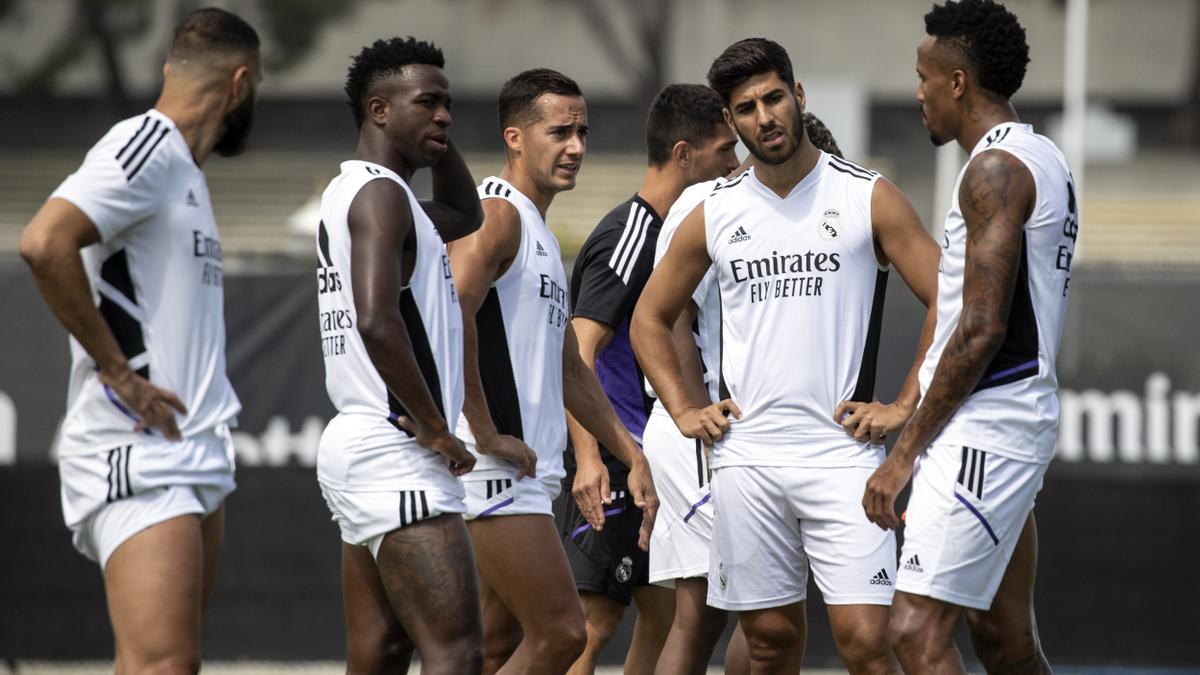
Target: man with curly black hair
986, 426
391, 333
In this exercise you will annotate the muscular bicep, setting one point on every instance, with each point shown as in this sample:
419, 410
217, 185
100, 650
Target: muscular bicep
478, 259
380, 221
996, 198
901, 240
679, 272
59, 223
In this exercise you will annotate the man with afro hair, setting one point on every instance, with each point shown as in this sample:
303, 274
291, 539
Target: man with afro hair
985, 429
391, 332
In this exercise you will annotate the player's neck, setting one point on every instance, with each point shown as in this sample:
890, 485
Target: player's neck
660, 188
374, 148
197, 116
980, 117
525, 184
781, 178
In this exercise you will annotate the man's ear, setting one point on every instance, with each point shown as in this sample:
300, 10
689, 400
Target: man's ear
800, 97
681, 154
377, 109
513, 139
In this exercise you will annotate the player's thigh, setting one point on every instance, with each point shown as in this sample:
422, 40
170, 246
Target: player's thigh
1011, 615
154, 585
757, 559
501, 630
374, 635
428, 572
853, 560
505, 548
212, 532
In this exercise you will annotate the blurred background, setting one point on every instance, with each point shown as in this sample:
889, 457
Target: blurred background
1116, 83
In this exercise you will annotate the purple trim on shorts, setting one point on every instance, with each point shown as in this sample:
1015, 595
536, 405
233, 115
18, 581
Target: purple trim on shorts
584, 528
1009, 371
697, 506
492, 509
995, 539
120, 406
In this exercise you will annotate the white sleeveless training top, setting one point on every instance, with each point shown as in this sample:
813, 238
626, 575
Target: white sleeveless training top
433, 321
1013, 411
801, 301
520, 336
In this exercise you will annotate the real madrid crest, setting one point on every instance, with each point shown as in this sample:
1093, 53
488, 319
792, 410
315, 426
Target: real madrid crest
830, 225
624, 571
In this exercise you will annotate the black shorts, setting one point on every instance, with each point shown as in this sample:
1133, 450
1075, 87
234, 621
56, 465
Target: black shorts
608, 562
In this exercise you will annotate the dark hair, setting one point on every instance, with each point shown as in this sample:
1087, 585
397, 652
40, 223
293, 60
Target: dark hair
211, 31
384, 58
989, 39
743, 60
681, 112
518, 95
820, 135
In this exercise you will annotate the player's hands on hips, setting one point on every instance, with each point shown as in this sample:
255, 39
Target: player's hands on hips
879, 499
591, 490
155, 408
871, 421
709, 423
510, 449
442, 442
641, 486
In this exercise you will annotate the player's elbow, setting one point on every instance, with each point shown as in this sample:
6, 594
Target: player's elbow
985, 338
37, 248
375, 328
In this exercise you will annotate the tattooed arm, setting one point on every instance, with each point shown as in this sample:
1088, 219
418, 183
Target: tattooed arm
996, 198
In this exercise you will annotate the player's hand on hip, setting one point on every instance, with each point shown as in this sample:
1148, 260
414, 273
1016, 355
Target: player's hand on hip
709, 423
442, 442
510, 449
154, 408
641, 486
871, 422
879, 498
591, 491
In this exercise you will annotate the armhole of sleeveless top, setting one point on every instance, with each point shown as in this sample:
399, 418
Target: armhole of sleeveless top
871, 223
708, 240
520, 256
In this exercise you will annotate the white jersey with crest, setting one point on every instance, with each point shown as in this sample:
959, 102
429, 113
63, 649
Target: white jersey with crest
520, 329
157, 279
363, 448
801, 302
1013, 411
707, 328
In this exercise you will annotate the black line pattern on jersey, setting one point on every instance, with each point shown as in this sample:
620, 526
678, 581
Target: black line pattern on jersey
847, 164
730, 183
972, 477
161, 135
494, 188
998, 136
496, 367
849, 172
1018, 355
134, 137
423, 354
125, 328
498, 486
323, 245
864, 389
701, 474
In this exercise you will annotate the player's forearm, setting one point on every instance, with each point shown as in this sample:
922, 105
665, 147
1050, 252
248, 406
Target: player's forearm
910, 393
475, 405
388, 346
584, 445
963, 362
455, 208
653, 345
586, 401
58, 272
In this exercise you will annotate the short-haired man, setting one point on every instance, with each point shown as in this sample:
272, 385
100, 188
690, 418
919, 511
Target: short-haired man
986, 427
799, 244
388, 463
687, 142
522, 367
127, 255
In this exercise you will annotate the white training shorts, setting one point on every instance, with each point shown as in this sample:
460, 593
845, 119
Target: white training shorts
505, 497
774, 522
682, 536
110, 495
365, 517
964, 518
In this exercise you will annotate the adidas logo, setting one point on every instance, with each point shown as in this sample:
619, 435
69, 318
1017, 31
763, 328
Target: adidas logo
881, 578
540, 250
739, 235
914, 564
191, 198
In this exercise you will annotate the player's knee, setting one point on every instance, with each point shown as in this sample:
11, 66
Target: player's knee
572, 638
461, 655
377, 654
863, 645
173, 664
1004, 648
600, 629
906, 637
773, 642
